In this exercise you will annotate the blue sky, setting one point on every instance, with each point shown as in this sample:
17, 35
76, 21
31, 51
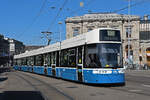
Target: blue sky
24, 20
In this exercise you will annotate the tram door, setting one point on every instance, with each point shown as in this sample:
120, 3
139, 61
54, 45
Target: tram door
80, 63
33, 62
45, 57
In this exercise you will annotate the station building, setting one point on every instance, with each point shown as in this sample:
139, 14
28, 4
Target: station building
145, 40
139, 37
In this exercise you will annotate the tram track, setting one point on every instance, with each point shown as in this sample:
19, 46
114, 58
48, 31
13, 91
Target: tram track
137, 79
31, 84
129, 90
49, 87
136, 89
126, 89
46, 87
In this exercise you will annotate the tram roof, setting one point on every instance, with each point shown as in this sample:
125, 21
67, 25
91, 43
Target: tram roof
86, 38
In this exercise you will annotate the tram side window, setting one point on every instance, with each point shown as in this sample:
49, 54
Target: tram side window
39, 60
24, 61
53, 58
64, 58
32, 60
15, 62
28, 61
92, 59
80, 55
72, 57
19, 62
47, 60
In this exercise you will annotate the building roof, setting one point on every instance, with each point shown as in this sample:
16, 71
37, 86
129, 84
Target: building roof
101, 17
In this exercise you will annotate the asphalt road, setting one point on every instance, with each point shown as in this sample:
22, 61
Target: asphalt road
28, 86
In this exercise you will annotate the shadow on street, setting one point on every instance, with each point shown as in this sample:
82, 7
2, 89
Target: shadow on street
3, 78
21, 95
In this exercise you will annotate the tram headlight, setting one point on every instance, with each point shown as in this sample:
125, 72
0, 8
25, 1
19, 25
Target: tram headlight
107, 65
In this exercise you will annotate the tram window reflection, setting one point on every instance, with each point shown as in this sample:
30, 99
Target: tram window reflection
93, 61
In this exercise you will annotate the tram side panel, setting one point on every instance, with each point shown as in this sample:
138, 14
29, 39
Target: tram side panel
103, 76
68, 73
49, 71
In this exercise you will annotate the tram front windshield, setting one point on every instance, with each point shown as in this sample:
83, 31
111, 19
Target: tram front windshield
103, 56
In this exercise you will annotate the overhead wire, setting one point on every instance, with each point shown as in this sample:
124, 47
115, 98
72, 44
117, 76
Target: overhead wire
132, 5
79, 9
34, 20
61, 8
58, 13
89, 2
36, 17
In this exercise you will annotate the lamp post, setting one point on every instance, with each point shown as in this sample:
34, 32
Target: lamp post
129, 31
47, 36
60, 23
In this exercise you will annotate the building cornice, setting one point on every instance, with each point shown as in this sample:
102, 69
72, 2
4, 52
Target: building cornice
102, 17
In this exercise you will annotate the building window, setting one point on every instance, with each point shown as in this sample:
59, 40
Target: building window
128, 32
129, 59
75, 32
144, 35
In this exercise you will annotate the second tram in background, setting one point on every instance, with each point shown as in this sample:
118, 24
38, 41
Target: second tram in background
94, 57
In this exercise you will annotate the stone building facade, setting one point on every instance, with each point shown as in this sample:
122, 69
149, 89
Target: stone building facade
15, 46
82, 24
144, 36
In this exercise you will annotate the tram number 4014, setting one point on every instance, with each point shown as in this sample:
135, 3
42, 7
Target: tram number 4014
102, 71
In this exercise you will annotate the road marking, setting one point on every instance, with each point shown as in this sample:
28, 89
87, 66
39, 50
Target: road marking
145, 85
135, 90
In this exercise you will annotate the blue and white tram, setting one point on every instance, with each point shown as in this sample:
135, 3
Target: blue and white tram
94, 57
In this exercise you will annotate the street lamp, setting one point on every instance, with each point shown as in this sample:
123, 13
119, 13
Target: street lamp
60, 23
